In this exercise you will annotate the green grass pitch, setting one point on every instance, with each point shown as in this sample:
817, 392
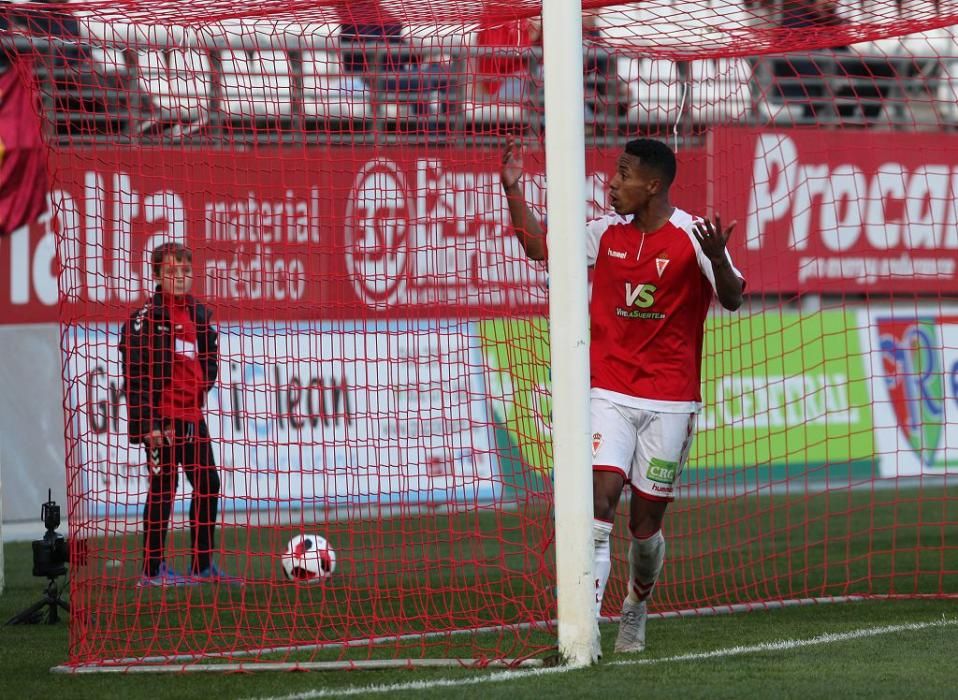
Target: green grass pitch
898, 542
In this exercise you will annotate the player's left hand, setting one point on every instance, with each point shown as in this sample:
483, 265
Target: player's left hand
713, 239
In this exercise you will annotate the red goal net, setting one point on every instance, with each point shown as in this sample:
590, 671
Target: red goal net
380, 415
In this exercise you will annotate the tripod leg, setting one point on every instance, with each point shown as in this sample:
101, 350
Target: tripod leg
29, 616
53, 616
53, 601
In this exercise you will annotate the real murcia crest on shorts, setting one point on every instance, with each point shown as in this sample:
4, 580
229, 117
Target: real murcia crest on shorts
596, 443
661, 263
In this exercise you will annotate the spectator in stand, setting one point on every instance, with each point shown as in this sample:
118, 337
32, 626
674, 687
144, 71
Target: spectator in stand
504, 64
55, 25
595, 62
800, 14
364, 22
78, 84
806, 78
372, 46
604, 90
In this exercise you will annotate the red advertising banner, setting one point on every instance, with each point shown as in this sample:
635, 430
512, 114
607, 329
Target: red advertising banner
288, 233
298, 233
845, 213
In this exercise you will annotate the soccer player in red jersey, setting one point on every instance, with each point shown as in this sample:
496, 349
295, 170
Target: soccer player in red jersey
170, 359
656, 269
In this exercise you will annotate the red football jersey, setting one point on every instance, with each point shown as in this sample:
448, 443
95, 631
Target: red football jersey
182, 397
651, 292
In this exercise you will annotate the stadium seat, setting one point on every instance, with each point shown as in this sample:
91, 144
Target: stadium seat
256, 86
934, 44
676, 23
655, 90
178, 84
328, 94
437, 35
480, 111
109, 60
946, 99
720, 90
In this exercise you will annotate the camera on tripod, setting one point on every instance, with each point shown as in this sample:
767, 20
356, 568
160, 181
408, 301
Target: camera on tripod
50, 554
50, 557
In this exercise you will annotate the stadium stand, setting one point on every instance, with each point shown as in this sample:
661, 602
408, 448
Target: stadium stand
176, 88
207, 91
256, 88
330, 97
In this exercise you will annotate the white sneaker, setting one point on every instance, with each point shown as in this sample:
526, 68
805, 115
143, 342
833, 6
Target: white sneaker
632, 627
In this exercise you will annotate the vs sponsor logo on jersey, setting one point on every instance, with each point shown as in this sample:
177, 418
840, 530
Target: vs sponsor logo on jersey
641, 295
639, 298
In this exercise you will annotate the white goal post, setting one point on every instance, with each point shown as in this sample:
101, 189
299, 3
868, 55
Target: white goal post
569, 329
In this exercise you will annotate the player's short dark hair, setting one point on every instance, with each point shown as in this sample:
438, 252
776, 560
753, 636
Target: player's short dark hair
177, 251
655, 155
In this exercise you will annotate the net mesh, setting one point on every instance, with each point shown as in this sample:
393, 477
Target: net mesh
383, 372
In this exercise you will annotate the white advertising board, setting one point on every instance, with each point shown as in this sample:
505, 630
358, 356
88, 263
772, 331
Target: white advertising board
913, 356
306, 414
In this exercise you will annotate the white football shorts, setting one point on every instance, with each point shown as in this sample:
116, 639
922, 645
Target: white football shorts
648, 448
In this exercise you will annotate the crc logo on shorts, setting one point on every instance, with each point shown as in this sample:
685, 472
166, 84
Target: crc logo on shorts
379, 215
596, 443
661, 471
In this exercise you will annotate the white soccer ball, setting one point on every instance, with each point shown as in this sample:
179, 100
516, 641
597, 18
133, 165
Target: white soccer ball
308, 558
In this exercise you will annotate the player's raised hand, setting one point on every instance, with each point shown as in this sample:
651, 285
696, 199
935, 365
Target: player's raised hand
511, 169
712, 238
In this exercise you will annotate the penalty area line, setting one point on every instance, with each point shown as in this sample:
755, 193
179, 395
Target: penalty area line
503, 676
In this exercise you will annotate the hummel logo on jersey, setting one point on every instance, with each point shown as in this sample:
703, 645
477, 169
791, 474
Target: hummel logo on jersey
617, 253
661, 263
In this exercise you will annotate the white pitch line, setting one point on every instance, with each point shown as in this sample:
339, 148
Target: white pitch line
789, 644
500, 676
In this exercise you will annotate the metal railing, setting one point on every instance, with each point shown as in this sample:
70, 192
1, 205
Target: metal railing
86, 103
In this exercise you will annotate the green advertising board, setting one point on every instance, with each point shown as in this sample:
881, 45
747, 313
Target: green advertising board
516, 353
786, 391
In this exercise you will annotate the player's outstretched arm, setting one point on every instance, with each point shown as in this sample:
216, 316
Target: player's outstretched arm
713, 239
524, 223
